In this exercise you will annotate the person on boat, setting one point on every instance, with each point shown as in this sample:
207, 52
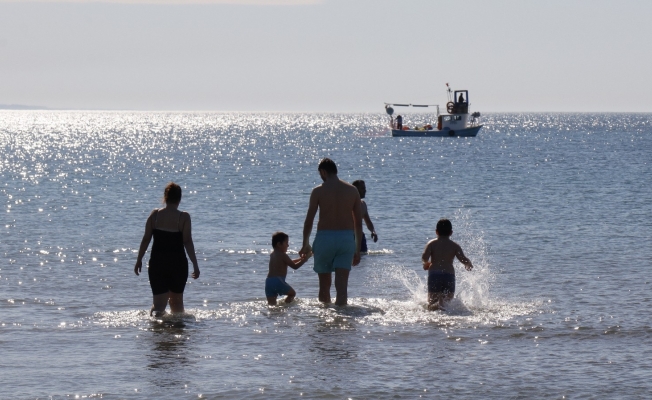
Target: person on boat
337, 243
461, 98
399, 122
362, 189
168, 265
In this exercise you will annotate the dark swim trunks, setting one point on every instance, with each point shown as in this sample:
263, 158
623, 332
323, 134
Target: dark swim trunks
441, 282
275, 286
363, 244
168, 265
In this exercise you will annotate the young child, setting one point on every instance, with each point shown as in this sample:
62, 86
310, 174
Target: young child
438, 259
279, 262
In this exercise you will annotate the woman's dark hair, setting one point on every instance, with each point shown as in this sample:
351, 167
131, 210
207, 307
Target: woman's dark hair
328, 165
279, 237
444, 227
172, 193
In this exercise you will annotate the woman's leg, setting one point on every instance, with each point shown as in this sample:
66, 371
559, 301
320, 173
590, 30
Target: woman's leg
176, 302
160, 302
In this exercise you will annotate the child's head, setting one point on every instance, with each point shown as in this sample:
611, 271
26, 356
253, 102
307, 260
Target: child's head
444, 227
278, 238
362, 188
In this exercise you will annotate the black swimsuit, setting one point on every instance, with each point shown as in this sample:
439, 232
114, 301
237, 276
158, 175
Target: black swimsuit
168, 265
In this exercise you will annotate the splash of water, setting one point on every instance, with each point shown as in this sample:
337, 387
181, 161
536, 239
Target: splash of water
473, 288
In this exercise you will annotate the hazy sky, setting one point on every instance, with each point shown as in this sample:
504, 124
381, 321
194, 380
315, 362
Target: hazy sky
330, 55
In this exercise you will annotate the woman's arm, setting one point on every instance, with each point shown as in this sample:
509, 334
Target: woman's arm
188, 244
144, 244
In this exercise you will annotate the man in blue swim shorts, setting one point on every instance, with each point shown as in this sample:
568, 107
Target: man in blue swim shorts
339, 231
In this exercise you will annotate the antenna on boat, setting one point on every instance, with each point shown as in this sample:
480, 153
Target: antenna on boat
449, 92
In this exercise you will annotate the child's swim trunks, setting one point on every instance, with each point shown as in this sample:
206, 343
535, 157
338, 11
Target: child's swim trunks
333, 249
275, 286
441, 282
363, 244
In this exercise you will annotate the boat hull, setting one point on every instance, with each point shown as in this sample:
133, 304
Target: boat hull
468, 132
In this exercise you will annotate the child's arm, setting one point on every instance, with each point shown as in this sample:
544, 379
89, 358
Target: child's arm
426, 256
296, 263
460, 256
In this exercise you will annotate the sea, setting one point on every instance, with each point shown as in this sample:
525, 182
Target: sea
553, 209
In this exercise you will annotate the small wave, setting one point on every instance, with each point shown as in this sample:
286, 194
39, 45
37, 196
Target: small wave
380, 252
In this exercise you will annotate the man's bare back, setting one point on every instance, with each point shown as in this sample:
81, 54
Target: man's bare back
337, 201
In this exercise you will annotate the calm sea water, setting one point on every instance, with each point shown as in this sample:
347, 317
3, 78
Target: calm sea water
553, 209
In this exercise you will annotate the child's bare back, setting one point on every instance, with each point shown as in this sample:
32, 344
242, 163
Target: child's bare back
440, 254
279, 262
438, 259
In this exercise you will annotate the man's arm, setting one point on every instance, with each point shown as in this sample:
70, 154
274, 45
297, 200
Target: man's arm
460, 256
307, 225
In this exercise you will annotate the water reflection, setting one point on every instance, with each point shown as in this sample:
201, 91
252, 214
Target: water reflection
170, 351
335, 336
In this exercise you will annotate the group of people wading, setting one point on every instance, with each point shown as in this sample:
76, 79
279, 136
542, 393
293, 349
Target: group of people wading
336, 248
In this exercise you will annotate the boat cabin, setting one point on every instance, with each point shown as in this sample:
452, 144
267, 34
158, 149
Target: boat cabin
454, 122
460, 103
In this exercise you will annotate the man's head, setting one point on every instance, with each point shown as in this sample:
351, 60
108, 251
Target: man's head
444, 227
362, 188
279, 238
328, 166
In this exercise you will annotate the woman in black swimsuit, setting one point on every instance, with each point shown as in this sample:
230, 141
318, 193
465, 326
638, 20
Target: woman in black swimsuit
168, 265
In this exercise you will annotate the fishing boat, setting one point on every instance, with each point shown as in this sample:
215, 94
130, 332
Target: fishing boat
458, 121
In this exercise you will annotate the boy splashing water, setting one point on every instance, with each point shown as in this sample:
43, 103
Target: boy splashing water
279, 262
438, 259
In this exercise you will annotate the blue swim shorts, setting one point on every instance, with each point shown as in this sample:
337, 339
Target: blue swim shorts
333, 249
275, 286
441, 282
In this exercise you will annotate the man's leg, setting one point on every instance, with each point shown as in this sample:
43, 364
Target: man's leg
341, 286
325, 287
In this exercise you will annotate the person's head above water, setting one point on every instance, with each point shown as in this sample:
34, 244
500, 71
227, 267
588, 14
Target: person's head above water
327, 165
444, 227
362, 188
172, 194
279, 237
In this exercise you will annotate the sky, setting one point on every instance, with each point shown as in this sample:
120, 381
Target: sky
326, 56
